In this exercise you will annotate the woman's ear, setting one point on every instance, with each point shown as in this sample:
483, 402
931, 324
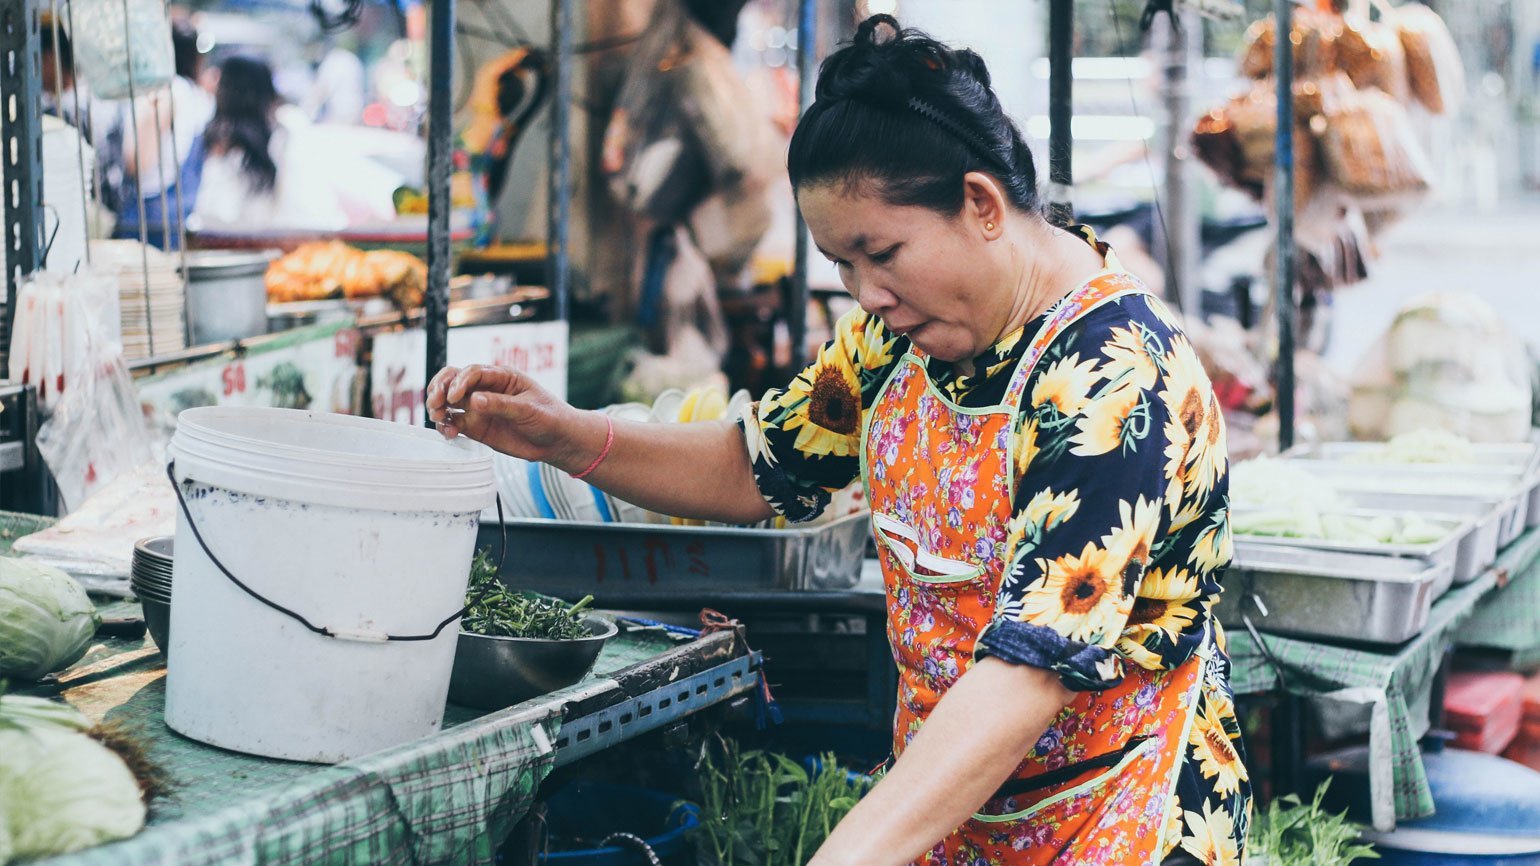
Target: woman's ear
984, 204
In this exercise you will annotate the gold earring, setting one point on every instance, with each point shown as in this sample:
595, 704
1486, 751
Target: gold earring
989, 226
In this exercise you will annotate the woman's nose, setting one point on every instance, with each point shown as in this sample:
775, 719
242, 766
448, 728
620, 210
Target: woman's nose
873, 298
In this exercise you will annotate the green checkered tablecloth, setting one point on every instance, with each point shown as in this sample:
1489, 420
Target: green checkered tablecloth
14, 526
1509, 619
446, 799
1391, 682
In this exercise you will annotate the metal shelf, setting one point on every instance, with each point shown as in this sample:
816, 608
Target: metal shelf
649, 711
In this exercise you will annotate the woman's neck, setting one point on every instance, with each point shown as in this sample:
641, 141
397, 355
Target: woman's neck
1059, 262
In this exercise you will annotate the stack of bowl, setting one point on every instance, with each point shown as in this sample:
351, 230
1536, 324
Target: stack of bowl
151, 583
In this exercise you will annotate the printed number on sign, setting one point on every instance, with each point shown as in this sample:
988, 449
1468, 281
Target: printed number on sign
234, 378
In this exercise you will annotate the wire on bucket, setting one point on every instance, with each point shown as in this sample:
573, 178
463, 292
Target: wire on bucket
297, 617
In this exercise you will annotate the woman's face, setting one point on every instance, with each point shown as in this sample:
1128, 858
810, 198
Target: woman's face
925, 275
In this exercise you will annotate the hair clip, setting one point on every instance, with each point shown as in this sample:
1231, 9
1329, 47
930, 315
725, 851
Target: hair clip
962, 133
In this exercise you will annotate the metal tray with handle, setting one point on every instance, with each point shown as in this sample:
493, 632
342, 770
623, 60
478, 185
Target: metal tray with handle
1438, 479
1331, 594
1488, 516
627, 560
1444, 551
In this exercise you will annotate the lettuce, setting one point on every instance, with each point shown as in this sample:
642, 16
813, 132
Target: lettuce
46, 620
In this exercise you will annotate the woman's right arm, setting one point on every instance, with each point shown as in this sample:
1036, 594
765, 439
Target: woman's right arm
699, 470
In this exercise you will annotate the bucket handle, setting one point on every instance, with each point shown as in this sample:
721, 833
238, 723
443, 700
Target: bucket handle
340, 634
634, 841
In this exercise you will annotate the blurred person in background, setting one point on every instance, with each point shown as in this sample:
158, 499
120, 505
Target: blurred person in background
159, 161
255, 174
337, 93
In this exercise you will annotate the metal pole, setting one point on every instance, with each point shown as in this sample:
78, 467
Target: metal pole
807, 73
82, 129
1283, 201
1182, 224
441, 29
22, 143
1061, 108
559, 197
144, 228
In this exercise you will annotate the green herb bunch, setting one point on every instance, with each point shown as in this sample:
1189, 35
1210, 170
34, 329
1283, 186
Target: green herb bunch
1291, 833
494, 610
764, 809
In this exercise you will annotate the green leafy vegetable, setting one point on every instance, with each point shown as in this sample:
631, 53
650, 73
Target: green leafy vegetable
46, 620
1291, 833
60, 790
497, 611
763, 809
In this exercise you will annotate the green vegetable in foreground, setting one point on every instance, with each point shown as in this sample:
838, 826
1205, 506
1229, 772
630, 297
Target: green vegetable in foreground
1290, 832
494, 610
46, 620
60, 790
765, 809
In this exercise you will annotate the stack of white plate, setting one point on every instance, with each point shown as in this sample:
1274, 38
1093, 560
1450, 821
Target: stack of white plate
152, 299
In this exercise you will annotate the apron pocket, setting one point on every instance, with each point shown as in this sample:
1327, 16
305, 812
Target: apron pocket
1134, 752
903, 542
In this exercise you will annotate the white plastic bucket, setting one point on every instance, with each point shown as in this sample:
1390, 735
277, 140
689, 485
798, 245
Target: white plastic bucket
364, 528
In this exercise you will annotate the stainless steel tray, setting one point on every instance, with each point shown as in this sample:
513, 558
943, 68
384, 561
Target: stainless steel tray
1331, 594
1523, 456
1464, 479
1478, 551
612, 560
1445, 551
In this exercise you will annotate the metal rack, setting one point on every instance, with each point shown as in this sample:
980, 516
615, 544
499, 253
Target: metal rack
22, 144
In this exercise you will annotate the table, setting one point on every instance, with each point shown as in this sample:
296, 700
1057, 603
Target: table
1392, 681
450, 798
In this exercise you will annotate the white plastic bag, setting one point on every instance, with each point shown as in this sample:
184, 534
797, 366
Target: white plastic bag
68, 343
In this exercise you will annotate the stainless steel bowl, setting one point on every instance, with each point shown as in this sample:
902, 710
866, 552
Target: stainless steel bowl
491, 673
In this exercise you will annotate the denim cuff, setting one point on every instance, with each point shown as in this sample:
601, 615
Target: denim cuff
1081, 667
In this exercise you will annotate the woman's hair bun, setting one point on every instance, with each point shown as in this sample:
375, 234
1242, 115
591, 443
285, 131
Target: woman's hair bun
897, 106
884, 65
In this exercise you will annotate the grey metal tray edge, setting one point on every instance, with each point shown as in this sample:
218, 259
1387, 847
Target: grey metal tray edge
745, 532
1444, 549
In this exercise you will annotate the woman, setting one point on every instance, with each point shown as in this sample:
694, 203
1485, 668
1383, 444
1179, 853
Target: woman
1045, 462
241, 148
258, 170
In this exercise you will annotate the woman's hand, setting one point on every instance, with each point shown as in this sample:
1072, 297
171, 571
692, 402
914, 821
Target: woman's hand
699, 471
510, 413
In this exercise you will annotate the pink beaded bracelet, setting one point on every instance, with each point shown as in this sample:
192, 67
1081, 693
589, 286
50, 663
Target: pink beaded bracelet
609, 439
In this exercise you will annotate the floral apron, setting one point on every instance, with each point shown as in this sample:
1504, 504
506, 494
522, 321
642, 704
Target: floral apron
1100, 785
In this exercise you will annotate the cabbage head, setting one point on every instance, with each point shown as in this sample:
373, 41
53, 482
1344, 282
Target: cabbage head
61, 792
46, 620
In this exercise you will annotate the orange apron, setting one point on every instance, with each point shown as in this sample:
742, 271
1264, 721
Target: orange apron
1099, 785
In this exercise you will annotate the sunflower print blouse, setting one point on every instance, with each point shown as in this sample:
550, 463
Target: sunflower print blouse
1119, 430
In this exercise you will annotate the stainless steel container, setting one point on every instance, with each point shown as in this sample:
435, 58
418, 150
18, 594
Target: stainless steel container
226, 295
1478, 550
491, 673
570, 559
1331, 594
1524, 456
1445, 551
